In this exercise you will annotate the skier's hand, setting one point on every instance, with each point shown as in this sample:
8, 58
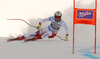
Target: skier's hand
39, 27
66, 37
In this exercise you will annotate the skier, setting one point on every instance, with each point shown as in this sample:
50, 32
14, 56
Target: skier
46, 32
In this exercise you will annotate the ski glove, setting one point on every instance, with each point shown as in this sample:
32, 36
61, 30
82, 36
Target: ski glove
39, 27
66, 37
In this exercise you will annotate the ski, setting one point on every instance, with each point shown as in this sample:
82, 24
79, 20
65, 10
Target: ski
15, 39
9, 40
27, 40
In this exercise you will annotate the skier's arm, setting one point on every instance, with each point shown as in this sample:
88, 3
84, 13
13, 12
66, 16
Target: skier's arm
45, 20
42, 21
66, 28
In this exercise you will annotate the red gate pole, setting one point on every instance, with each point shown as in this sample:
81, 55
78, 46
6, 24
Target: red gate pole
95, 26
73, 23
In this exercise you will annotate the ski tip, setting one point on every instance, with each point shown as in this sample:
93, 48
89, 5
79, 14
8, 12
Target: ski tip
8, 41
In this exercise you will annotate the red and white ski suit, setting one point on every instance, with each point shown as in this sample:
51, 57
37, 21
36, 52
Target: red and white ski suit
51, 30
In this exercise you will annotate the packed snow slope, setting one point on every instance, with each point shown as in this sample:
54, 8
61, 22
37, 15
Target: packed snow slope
46, 49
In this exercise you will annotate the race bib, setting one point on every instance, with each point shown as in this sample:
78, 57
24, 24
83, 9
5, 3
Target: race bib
54, 26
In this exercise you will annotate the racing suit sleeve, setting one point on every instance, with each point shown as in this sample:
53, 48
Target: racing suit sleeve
66, 28
45, 20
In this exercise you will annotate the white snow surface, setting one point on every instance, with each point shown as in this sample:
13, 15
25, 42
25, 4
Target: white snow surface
46, 49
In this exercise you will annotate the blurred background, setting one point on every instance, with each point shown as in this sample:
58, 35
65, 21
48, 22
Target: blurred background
33, 11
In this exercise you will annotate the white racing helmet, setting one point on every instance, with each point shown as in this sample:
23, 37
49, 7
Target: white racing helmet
57, 15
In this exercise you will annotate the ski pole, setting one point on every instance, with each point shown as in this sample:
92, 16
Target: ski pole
23, 21
59, 37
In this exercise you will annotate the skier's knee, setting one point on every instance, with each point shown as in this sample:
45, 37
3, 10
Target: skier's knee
53, 35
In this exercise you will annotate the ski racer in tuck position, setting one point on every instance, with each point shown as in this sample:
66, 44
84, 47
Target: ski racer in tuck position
46, 32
